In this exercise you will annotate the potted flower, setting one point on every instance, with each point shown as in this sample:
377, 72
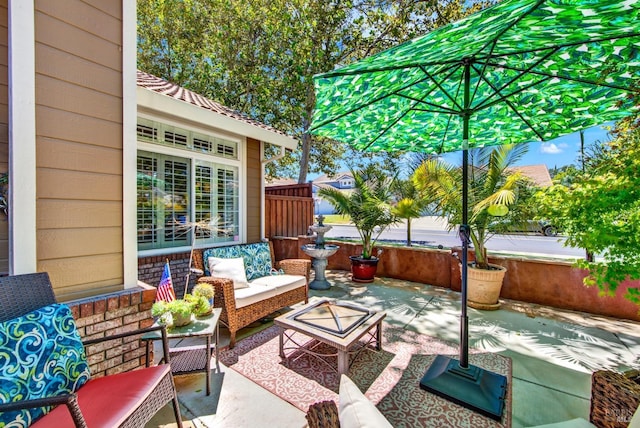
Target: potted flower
200, 305
493, 191
205, 290
203, 293
368, 205
179, 309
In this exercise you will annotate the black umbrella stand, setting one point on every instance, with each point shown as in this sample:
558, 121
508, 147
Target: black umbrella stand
458, 381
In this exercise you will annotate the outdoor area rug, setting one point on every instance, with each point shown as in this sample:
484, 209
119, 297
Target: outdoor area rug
390, 378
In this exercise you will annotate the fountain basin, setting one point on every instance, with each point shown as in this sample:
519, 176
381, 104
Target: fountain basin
320, 252
320, 230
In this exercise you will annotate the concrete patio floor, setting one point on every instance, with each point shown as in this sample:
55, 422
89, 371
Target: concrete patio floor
553, 351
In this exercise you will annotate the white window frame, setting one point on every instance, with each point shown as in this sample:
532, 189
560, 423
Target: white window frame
194, 157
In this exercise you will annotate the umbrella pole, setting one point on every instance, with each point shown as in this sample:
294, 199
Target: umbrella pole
458, 381
464, 227
464, 237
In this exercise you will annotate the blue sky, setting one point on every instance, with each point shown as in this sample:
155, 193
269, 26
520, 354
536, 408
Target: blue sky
562, 151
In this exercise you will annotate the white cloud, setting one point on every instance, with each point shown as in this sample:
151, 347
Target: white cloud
551, 148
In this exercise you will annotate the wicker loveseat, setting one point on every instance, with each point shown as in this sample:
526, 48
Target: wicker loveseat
265, 286
44, 375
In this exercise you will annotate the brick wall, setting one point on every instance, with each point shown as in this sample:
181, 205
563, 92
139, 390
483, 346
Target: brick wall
128, 310
100, 316
150, 270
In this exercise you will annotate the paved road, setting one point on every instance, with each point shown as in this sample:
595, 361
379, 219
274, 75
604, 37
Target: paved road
432, 231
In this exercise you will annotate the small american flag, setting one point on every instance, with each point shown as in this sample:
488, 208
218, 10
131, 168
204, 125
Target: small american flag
165, 288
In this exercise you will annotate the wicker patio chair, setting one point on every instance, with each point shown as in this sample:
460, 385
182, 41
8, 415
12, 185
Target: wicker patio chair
323, 414
614, 398
148, 389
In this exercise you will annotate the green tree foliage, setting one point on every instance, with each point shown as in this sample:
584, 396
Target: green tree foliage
600, 211
259, 56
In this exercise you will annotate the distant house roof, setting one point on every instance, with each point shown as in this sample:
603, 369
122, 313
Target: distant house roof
322, 185
164, 87
539, 174
270, 182
331, 178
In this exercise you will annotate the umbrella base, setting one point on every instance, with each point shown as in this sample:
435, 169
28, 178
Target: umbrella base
474, 388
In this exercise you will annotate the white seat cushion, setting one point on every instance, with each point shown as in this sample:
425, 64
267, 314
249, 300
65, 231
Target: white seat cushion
635, 420
282, 283
573, 423
355, 410
253, 294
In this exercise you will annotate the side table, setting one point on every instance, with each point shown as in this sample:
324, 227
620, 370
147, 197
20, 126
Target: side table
192, 359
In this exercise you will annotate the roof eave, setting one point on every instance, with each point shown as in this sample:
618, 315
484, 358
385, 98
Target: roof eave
154, 101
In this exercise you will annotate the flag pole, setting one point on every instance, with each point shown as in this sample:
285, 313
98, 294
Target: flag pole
193, 244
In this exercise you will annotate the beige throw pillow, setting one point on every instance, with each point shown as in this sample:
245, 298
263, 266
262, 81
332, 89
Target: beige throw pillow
229, 268
355, 410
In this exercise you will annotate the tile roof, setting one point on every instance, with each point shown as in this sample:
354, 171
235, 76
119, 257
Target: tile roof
164, 87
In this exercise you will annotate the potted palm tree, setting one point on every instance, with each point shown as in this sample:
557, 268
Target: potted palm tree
493, 192
368, 205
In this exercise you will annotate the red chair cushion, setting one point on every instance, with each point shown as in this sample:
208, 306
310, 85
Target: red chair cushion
108, 401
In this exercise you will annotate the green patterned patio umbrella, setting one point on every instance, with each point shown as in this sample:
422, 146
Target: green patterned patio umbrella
521, 71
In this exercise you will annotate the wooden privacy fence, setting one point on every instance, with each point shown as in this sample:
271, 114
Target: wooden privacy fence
288, 210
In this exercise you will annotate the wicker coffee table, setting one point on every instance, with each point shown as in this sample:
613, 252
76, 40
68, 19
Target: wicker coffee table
344, 326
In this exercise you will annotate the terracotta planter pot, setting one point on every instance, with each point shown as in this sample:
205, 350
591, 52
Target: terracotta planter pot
483, 287
363, 270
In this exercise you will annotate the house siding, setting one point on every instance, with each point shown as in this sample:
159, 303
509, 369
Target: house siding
79, 141
4, 128
254, 191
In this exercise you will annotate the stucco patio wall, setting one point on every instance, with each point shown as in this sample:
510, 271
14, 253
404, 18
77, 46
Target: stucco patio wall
546, 282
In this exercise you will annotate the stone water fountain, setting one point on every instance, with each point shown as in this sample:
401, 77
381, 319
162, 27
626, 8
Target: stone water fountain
319, 253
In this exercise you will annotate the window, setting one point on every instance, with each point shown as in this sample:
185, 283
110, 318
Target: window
182, 185
160, 133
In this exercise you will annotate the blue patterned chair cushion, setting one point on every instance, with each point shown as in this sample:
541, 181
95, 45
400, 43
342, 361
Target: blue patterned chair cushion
41, 355
257, 258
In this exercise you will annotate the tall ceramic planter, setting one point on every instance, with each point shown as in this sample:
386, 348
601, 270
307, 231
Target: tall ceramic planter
483, 287
363, 270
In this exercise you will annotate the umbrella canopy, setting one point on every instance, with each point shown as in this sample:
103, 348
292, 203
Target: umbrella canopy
537, 69
521, 71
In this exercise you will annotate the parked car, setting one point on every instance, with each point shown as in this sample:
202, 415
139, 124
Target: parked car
544, 227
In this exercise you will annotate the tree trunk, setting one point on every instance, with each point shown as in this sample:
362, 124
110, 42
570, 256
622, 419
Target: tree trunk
304, 158
589, 256
306, 136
